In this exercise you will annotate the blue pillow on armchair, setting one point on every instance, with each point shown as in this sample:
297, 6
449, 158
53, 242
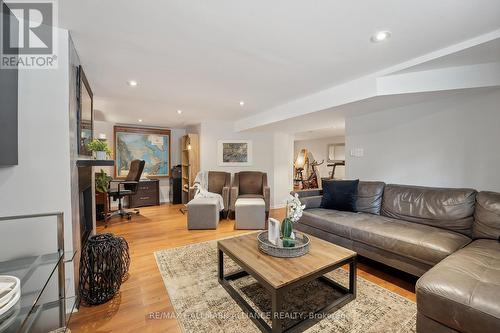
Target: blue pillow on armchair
340, 194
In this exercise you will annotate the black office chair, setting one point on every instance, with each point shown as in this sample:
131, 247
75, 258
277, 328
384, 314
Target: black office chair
126, 188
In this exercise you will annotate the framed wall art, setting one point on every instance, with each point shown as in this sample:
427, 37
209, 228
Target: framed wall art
149, 144
234, 153
336, 152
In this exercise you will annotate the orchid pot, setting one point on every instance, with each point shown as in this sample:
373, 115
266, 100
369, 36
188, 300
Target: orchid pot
294, 209
287, 232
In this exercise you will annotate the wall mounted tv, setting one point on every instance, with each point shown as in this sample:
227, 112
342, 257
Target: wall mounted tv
8, 103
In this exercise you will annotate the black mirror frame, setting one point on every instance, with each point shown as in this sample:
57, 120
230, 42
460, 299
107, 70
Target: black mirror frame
82, 80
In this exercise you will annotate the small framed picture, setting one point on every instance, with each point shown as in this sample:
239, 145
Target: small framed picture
234, 153
336, 152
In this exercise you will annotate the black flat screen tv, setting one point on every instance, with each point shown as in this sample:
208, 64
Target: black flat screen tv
8, 103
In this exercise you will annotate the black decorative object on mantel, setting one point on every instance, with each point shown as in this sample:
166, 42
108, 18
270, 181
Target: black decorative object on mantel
104, 266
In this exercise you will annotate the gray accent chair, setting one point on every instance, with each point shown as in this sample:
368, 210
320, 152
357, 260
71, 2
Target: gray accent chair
250, 184
218, 182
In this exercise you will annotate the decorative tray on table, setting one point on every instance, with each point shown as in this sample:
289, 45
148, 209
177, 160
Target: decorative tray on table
302, 244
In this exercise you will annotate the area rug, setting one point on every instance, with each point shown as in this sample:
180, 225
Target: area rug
202, 305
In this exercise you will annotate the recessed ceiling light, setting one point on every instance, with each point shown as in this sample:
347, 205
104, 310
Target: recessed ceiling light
380, 36
242, 103
179, 111
132, 83
139, 120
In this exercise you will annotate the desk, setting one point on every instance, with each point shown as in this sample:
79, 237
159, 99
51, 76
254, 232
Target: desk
148, 194
102, 199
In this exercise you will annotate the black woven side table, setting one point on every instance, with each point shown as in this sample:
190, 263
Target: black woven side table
104, 266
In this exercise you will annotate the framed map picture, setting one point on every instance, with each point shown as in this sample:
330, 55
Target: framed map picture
235, 152
149, 144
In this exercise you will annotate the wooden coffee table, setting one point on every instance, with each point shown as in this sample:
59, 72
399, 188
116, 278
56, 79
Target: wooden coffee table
280, 275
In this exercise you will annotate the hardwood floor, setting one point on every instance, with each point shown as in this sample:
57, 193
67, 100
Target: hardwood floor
144, 293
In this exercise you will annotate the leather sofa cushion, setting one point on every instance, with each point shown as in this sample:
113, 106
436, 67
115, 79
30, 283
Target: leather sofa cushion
369, 198
419, 242
251, 182
312, 201
445, 208
312, 192
332, 221
487, 216
463, 291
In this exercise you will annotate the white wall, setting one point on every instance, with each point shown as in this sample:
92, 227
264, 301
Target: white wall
449, 142
318, 150
193, 129
263, 153
272, 153
212, 132
40, 183
104, 127
283, 168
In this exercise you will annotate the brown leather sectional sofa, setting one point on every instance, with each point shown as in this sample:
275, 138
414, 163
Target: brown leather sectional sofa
449, 237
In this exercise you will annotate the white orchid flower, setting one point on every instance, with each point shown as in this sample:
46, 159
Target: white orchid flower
294, 207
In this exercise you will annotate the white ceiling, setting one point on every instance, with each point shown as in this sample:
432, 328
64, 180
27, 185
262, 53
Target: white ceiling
205, 56
481, 54
320, 133
331, 122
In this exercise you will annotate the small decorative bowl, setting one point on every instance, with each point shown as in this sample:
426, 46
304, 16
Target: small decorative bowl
302, 244
10, 292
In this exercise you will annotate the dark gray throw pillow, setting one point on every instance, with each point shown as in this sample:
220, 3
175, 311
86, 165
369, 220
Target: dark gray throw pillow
340, 194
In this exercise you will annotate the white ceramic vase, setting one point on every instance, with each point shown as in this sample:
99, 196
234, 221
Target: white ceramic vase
100, 155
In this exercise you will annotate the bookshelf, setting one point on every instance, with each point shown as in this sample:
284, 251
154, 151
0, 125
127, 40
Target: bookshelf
190, 163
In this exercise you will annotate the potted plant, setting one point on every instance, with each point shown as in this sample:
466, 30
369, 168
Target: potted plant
102, 182
101, 149
294, 209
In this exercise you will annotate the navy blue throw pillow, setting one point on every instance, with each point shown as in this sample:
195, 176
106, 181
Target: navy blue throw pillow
340, 194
